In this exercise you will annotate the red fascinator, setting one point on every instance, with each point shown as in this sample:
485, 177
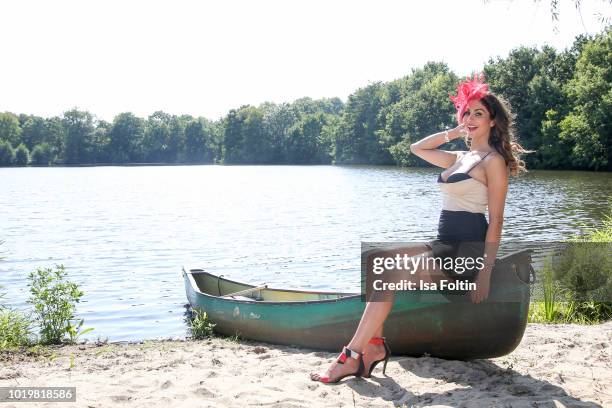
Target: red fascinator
469, 90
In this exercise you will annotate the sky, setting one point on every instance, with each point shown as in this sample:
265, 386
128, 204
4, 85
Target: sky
204, 58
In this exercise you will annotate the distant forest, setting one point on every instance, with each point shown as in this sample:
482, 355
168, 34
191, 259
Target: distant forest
563, 103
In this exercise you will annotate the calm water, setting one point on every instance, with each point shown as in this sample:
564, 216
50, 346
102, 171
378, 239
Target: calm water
123, 233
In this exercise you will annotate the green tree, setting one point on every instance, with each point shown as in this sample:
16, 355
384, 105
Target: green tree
589, 124
10, 131
277, 120
176, 142
258, 147
157, 135
245, 140
42, 155
79, 137
125, 138
55, 136
305, 143
357, 142
423, 108
7, 154
199, 141
34, 130
511, 78
22, 155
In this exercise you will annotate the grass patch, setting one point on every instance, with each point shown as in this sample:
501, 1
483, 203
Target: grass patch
577, 286
199, 325
15, 329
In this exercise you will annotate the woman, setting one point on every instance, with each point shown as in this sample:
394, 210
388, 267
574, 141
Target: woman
471, 180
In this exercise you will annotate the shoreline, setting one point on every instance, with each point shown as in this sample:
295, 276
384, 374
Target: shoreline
555, 365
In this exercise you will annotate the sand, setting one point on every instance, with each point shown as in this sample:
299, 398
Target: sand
554, 366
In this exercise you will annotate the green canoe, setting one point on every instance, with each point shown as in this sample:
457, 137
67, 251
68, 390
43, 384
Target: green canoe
418, 323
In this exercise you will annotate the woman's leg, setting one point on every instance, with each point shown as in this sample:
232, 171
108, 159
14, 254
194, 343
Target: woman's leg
372, 320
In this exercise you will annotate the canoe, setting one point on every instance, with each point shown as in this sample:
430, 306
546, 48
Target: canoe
419, 323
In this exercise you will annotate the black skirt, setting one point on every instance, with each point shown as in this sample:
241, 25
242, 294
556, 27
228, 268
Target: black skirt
461, 235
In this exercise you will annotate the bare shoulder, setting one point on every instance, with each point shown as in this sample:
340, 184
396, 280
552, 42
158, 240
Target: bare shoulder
495, 165
495, 160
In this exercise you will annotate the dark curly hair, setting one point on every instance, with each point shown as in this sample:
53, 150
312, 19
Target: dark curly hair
502, 137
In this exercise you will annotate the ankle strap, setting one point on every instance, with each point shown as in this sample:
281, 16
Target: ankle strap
346, 353
377, 340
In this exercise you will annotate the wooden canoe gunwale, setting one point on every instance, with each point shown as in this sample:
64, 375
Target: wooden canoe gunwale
341, 295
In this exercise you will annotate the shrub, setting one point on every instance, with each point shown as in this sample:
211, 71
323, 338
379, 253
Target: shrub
42, 154
200, 326
22, 155
7, 154
15, 329
54, 300
580, 289
584, 269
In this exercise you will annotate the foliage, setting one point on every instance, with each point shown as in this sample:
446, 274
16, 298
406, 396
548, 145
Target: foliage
584, 267
589, 125
10, 131
7, 154
578, 284
42, 154
54, 300
79, 137
562, 100
15, 329
125, 139
15, 326
200, 326
551, 293
22, 155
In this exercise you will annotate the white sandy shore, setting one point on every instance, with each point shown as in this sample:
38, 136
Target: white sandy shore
555, 366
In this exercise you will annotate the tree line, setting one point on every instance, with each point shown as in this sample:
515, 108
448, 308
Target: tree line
563, 103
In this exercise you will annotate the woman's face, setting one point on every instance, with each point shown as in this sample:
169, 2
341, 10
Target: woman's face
477, 120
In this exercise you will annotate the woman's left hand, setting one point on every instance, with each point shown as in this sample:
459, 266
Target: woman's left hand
482, 286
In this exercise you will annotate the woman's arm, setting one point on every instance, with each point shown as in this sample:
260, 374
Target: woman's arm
497, 188
426, 148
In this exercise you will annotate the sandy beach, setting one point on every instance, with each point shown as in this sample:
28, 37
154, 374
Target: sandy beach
554, 366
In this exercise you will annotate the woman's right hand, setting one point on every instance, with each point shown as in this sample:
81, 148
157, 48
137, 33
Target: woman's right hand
457, 132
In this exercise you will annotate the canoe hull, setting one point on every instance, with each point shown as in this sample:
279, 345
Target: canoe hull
419, 323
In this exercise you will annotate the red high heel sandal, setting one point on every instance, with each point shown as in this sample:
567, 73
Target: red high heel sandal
346, 353
378, 340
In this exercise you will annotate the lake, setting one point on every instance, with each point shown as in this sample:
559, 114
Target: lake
123, 233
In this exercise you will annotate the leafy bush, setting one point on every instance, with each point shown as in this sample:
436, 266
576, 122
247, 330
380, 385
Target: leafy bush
15, 329
584, 269
580, 288
54, 300
7, 154
42, 154
200, 326
22, 155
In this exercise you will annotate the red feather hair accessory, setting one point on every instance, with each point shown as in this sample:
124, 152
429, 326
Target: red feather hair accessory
469, 90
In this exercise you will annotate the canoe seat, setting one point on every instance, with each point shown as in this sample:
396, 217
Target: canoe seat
241, 298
